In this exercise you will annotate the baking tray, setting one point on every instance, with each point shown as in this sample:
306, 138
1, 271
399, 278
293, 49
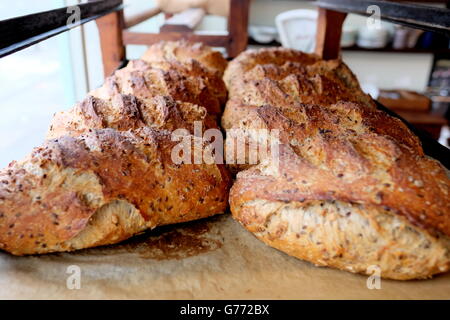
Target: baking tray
214, 258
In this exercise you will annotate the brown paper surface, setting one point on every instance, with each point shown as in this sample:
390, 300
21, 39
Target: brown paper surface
214, 258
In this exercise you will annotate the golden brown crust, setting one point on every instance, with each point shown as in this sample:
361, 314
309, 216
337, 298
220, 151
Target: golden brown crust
42, 206
125, 112
276, 74
192, 69
249, 59
310, 84
174, 79
184, 51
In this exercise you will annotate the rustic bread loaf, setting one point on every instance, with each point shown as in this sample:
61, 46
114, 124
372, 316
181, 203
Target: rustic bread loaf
185, 51
101, 188
350, 188
108, 171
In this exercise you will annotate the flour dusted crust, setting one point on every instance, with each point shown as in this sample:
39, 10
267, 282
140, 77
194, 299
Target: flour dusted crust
351, 187
106, 171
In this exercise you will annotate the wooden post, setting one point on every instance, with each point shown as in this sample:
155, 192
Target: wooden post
237, 27
113, 50
329, 30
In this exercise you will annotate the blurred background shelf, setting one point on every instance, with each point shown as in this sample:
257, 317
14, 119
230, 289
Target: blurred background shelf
405, 50
389, 49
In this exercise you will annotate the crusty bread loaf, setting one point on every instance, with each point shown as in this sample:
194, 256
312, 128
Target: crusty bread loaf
108, 171
185, 51
351, 187
101, 188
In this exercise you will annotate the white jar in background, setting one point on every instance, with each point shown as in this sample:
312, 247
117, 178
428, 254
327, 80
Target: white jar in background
373, 38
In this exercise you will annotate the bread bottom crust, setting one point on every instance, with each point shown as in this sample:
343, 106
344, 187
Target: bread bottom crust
347, 236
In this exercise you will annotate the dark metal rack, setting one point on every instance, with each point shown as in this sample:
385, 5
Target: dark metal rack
413, 15
22, 32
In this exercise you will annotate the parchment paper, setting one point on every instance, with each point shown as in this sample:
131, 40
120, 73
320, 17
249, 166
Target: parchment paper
214, 258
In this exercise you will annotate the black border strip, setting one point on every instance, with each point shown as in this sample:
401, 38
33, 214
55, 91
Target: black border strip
276, 309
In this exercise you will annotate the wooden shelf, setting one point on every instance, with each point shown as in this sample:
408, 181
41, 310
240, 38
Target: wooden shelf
356, 48
406, 50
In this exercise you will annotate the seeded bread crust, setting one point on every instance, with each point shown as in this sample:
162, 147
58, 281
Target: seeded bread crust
48, 200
